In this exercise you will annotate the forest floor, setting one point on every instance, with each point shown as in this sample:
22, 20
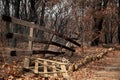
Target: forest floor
107, 68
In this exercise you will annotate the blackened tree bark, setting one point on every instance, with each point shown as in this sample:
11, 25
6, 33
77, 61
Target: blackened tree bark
99, 21
41, 20
33, 15
16, 8
7, 13
105, 3
119, 21
42, 13
16, 5
6, 7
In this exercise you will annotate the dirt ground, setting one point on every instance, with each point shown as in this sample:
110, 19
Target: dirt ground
11, 68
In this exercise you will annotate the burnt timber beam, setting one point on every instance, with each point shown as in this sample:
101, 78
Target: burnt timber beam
47, 51
29, 24
57, 44
27, 38
34, 52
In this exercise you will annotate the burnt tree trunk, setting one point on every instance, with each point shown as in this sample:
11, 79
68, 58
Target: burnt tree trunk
33, 15
99, 21
7, 13
119, 22
42, 14
40, 34
16, 5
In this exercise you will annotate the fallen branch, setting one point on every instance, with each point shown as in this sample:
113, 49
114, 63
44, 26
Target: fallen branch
89, 59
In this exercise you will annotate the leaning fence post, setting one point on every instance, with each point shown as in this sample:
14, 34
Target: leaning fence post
30, 45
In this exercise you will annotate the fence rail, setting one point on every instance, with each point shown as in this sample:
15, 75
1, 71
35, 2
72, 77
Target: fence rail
30, 38
31, 25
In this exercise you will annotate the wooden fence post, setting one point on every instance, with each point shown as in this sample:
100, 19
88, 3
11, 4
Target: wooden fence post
30, 45
63, 68
36, 67
54, 70
26, 63
45, 69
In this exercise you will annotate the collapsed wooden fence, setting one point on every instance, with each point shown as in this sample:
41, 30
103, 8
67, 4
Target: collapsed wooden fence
46, 68
31, 38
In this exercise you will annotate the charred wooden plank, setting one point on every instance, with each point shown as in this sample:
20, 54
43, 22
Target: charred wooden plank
62, 36
13, 53
57, 44
29, 24
23, 52
6, 18
47, 51
9, 35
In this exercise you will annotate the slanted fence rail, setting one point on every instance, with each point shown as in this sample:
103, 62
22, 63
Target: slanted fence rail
31, 38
